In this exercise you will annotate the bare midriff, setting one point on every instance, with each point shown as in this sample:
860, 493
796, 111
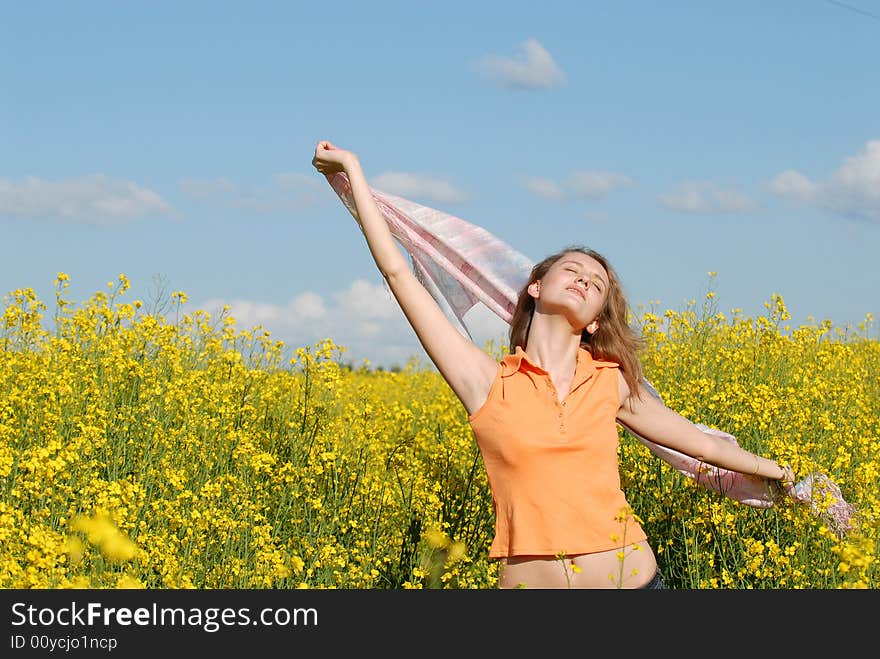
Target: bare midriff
604, 569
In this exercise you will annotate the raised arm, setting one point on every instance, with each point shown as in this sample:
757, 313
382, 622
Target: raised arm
467, 368
651, 419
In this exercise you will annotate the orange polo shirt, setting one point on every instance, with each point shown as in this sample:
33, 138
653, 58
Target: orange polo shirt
552, 466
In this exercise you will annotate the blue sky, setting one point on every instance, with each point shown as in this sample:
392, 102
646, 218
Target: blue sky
174, 140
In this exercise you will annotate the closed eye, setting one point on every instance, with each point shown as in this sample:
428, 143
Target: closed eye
594, 279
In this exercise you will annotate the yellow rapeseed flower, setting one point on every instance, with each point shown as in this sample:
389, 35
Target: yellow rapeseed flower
104, 534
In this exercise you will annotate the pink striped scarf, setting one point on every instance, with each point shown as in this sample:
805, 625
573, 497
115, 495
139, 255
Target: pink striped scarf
462, 264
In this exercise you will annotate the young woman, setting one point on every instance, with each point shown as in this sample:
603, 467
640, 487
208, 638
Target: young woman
545, 418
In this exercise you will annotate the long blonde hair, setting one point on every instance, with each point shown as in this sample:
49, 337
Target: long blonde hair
614, 340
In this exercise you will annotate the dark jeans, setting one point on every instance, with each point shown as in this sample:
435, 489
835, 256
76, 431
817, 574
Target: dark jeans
656, 582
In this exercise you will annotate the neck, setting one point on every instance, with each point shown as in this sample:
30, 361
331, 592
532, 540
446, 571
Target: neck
552, 345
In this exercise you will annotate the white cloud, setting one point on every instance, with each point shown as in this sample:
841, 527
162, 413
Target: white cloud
544, 188
94, 199
794, 185
309, 306
706, 197
852, 191
535, 69
579, 184
413, 185
367, 301
595, 185
364, 318
284, 192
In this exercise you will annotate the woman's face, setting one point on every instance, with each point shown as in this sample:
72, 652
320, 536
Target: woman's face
575, 285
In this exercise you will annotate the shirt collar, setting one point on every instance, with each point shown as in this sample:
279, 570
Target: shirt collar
586, 365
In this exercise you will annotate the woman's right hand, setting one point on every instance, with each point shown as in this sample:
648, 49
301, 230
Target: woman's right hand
784, 486
330, 159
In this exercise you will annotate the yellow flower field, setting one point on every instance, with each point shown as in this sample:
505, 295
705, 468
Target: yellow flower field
157, 449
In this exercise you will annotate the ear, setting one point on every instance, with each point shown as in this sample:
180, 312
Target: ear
535, 288
592, 326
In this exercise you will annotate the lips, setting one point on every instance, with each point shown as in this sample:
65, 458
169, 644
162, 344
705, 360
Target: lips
578, 292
